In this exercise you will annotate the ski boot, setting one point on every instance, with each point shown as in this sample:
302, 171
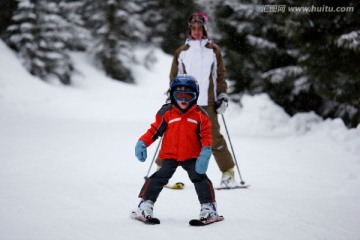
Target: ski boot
208, 211
228, 178
145, 208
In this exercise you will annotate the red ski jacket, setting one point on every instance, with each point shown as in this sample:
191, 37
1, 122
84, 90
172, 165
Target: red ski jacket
184, 134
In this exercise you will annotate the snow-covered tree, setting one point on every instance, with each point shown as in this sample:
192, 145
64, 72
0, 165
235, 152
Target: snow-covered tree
116, 45
329, 57
51, 39
22, 36
38, 34
168, 22
7, 7
117, 27
256, 55
306, 61
78, 37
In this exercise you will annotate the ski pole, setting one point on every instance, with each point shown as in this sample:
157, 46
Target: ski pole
155, 154
156, 151
237, 165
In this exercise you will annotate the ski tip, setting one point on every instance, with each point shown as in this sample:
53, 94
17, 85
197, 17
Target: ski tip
199, 223
150, 221
196, 222
176, 186
133, 215
235, 187
179, 185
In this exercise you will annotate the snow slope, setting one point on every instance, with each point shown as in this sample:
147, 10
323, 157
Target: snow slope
68, 169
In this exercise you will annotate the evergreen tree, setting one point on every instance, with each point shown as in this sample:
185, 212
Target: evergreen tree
78, 37
7, 7
51, 39
304, 61
254, 46
117, 28
151, 16
331, 60
37, 33
22, 37
168, 22
116, 50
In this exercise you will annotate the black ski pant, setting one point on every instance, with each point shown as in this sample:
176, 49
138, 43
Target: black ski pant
155, 183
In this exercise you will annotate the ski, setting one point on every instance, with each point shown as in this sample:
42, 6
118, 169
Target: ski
230, 188
176, 186
150, 221
199, 222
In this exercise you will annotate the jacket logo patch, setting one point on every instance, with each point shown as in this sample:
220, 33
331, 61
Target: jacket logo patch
174, 120
192, 120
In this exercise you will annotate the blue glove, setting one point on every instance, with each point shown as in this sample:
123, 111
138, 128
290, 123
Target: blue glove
202, 161
140, 151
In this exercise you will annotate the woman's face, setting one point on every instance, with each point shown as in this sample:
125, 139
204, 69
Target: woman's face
197, 31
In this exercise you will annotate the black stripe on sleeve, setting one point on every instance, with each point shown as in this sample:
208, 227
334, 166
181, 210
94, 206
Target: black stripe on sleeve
160, 131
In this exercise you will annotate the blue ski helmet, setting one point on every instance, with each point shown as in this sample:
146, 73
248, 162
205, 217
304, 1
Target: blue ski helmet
184, 80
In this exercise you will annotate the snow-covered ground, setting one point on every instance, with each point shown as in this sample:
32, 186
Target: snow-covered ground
68, 170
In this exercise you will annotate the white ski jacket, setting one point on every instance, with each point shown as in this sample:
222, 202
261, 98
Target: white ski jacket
202, 60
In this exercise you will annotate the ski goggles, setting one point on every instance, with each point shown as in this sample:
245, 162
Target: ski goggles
197, 18
184, 96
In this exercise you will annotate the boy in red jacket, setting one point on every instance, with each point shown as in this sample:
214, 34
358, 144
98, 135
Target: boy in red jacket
187, 140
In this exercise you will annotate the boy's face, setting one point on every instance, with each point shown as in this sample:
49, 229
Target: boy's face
183, 104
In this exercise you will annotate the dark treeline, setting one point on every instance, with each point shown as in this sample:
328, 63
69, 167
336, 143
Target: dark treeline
305, 59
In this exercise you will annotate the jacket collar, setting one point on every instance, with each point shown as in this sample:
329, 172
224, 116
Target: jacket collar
192, 108
197, 43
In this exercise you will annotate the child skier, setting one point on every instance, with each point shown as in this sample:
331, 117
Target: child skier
186, 131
